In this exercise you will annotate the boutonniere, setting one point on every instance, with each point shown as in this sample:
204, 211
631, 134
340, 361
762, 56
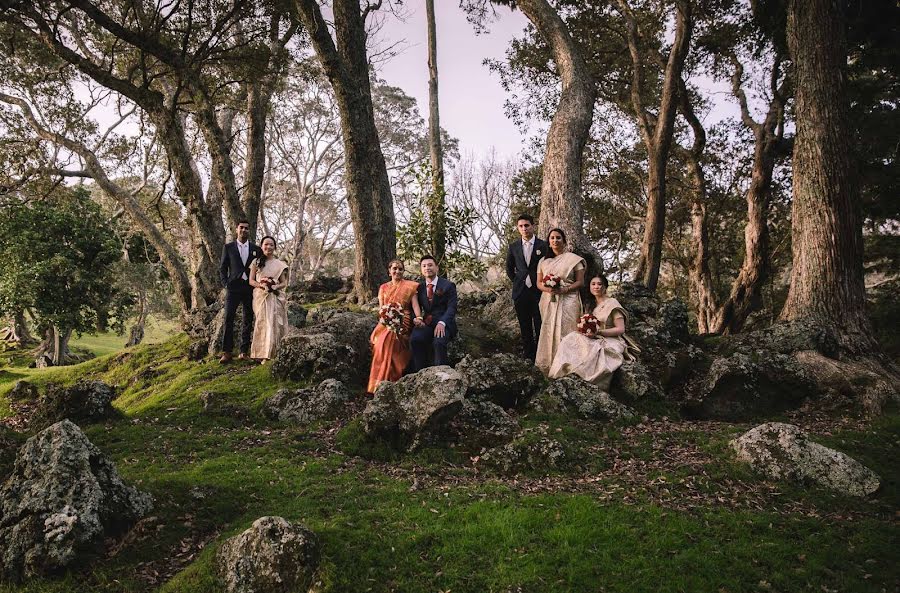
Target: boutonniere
439, 292
538, 251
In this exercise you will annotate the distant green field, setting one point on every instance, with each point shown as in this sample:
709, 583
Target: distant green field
155, 332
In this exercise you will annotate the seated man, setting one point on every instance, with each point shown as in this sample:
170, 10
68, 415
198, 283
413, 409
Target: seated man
437, 325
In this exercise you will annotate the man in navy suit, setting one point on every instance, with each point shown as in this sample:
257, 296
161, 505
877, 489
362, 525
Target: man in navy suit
437, 326
521, 267
234, 271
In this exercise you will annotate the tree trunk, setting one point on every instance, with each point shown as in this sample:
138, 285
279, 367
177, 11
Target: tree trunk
16, 331
650, 260
827, 275
368, 186
258, 100
136, 332
436, 208
561, 200
746, 289
54, 349
768, 137
656, 131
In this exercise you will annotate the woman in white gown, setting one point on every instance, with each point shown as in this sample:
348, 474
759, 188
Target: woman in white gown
594, 358
268, 277
561, 305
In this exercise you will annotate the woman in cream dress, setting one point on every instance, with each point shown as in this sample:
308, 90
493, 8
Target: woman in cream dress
594, 358
560, 306
268, 277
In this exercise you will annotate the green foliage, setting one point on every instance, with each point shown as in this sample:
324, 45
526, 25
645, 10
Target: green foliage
57, 256
415, 238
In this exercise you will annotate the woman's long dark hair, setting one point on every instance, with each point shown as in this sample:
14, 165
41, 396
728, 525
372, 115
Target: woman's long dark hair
262, 256
561, 232
590, 303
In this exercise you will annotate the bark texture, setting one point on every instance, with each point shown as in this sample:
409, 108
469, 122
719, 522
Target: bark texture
368, 187
827, 275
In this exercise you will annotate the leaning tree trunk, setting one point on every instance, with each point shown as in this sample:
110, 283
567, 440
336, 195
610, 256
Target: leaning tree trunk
345, 63
656, 130
561, 200
436, 208
827, 275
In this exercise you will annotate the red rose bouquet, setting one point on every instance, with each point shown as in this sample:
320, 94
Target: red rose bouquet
588, 325
552, 281
390, 315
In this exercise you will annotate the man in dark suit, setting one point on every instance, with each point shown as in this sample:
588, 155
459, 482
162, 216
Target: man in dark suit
521, 267
234, 271
437, 326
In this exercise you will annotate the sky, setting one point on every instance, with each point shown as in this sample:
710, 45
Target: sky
470, 97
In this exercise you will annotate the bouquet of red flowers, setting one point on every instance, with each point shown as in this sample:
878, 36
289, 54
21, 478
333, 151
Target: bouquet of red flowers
552, 281
588, 325
390, 315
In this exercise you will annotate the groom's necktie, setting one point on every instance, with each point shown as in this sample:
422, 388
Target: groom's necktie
526, 249
430, 291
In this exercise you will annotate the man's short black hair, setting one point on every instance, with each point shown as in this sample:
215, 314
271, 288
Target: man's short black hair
427, 256
524, 216
242, 221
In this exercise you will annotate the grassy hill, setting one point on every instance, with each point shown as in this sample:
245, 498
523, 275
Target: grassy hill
656, 506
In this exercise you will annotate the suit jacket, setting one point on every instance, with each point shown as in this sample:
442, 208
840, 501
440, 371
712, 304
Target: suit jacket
516, 268
442, 306
231, 268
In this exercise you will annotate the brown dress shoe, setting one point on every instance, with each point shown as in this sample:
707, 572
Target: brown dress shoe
226, 358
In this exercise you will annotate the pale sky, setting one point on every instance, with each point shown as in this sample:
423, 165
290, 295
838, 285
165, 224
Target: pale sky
471, 98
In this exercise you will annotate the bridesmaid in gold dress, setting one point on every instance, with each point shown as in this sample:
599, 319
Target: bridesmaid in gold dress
268, 277
390, 351
595, 358
560, 306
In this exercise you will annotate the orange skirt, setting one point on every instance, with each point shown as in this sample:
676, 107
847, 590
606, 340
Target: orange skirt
390, 354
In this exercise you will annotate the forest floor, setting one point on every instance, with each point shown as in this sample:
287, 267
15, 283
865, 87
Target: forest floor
657, 504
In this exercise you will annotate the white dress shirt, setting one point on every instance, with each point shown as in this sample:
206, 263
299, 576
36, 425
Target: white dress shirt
244, 251
434, 284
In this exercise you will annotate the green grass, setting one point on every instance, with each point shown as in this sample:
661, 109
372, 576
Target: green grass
211, 476
155, 331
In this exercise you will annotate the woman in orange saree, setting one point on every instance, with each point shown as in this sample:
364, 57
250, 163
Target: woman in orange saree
390, 350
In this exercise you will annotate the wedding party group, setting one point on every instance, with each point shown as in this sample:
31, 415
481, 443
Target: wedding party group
562, 333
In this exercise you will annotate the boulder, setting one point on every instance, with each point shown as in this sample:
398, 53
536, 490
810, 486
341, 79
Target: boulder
501, 314
333, 345
632, 381
417, 408
85, 401
296, 313
744, 386
654, 323
783, 451
60, 503
504, 379
483, 424
23, 390
531, 450
573, 395
10, 441
272, 556
327, 400
317, 357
